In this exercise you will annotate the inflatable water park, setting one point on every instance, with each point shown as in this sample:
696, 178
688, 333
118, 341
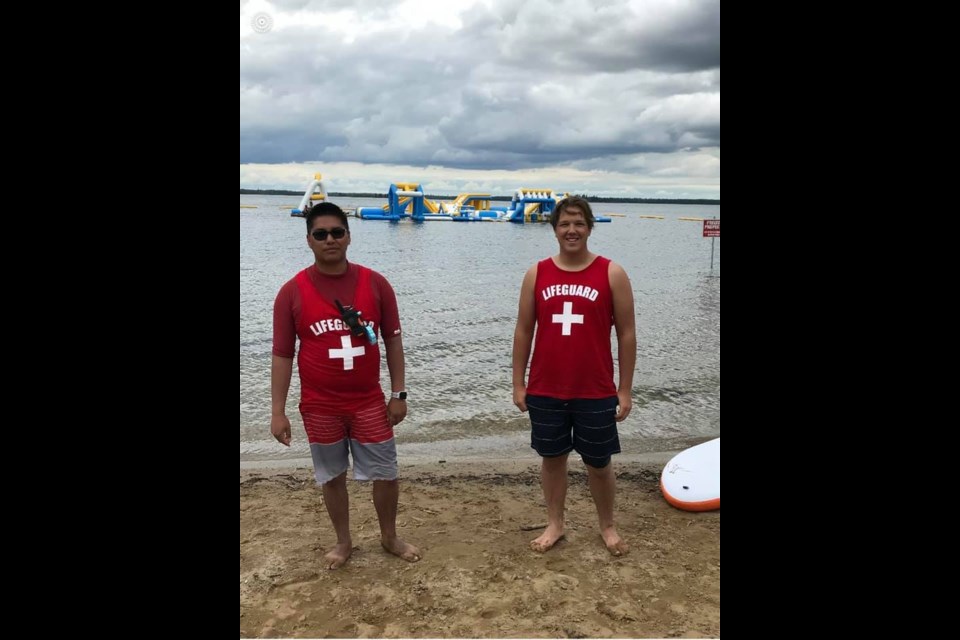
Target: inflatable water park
407, 200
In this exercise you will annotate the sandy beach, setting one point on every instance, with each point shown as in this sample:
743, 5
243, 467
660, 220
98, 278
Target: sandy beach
478, 577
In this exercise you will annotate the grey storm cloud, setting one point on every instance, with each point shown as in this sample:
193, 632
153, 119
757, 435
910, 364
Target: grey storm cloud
523, 83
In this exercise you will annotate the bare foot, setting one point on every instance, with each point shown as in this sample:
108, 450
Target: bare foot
338, 555
551, 536
615, 544
405, 550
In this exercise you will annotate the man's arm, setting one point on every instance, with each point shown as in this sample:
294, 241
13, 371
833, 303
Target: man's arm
396, 409
523, 337
393, 348
281, 371
624, 320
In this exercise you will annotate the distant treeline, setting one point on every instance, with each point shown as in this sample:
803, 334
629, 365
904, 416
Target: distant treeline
589, 198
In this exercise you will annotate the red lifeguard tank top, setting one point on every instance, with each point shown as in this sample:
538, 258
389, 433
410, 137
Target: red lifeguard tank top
572, 350
339, 372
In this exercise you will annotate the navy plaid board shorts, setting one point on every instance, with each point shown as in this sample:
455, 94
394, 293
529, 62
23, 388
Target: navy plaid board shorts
587, 426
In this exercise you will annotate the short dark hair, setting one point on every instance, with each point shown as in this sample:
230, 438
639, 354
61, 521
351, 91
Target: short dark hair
572, 201
326, 209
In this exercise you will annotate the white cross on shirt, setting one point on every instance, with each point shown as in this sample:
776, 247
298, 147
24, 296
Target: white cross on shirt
347, 353
567, 318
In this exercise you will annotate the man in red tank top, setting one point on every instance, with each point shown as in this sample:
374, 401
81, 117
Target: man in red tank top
335, 309
573, 299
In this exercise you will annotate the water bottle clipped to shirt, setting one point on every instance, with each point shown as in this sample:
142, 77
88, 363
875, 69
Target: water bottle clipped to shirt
351, 317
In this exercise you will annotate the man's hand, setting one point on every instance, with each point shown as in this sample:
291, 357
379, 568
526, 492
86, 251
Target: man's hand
625, 403
520, 398
396, 411
280, 428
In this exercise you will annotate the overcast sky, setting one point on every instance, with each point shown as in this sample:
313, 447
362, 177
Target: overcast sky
606, 97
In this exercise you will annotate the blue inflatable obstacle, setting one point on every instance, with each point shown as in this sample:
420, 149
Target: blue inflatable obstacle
473, 207
405, 200
536, 205
531, 205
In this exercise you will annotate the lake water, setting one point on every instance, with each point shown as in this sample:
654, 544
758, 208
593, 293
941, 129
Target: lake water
457, 287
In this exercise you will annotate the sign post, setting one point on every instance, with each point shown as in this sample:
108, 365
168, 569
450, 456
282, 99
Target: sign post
711, 229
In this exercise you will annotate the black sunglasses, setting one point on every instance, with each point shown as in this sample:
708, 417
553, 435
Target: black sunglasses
321, 234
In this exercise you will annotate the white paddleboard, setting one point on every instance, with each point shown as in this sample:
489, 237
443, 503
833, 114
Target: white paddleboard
691, 480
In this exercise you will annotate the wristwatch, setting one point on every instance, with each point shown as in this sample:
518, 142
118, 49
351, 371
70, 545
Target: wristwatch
398, 395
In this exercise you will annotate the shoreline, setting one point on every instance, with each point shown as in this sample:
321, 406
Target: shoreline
491, 450
468, 465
